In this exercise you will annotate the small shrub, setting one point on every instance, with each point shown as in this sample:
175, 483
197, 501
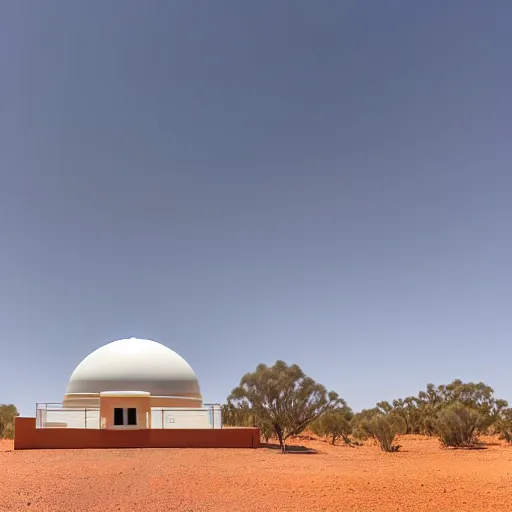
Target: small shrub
8, 432
506, 435
360, 423
334, 424
384, 429
361, 431
8, 413
503, 426
267, 431
458, 426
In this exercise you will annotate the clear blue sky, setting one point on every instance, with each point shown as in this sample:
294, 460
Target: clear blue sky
326, 182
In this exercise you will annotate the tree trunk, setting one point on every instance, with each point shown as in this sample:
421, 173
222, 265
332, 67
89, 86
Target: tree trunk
279, 433
281, 443
333, 439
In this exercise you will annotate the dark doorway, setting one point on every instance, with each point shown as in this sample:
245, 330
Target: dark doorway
118, 416
132, 416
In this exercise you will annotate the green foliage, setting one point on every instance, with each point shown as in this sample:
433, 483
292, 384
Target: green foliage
282, 400
267, 430
361, 423
420, 414
7, 414
284, 397
458, 425
381, 423
384, 428
334, 424
9, 431
503, 425
241, 415
457, 412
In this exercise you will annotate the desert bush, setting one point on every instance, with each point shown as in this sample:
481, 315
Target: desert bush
420, 414
503, 425
241, 415
505, 433
458, 425
7, 414
266, 430
8, 432
384, 428
334, 424
281, 400
360, 423
237, 416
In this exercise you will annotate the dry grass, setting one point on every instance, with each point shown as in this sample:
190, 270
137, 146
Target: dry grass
422, 477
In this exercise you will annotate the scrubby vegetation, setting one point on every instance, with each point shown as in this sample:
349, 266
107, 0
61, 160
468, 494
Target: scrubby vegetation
503, 425
384, 429
334, 424
458, 425
7, 414
282, 401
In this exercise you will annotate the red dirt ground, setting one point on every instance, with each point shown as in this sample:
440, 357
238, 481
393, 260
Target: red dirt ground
422, 477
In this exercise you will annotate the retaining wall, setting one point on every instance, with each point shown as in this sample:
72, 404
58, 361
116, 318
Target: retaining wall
28, 437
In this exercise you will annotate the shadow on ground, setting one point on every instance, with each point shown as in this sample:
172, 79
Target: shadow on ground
476, 447
291, 449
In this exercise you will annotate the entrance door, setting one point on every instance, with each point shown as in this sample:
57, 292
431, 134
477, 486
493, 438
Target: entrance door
124, 416
118, 416
131, 416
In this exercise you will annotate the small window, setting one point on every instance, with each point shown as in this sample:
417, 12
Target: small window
132, 416
118, 416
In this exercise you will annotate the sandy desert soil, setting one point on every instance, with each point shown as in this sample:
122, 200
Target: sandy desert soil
423, 477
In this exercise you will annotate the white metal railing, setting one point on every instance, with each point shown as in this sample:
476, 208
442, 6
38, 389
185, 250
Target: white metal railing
54, 415
206, 417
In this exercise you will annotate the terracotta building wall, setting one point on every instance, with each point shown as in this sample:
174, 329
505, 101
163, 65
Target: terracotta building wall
141, 403
28, 437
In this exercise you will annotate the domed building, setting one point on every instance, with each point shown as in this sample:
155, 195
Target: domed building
134, 365
131, 393
132, 384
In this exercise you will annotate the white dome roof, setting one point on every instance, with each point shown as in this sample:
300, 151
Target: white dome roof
134, 365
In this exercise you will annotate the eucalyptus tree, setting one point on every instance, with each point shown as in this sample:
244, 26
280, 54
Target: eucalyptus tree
284, 397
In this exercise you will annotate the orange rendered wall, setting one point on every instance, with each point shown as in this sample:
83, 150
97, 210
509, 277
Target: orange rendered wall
28, 437
142, 403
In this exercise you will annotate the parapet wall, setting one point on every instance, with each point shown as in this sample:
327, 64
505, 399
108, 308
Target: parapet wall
28, 437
